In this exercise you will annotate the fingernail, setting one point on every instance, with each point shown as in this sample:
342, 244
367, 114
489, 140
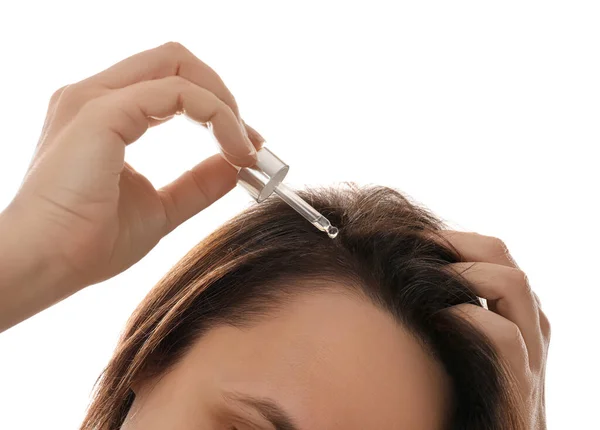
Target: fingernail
249, 143
251, 148
243, 127
241, 160
255, 135
243, 155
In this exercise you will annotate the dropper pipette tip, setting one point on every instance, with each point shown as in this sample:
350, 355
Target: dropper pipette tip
332, 231
306, 210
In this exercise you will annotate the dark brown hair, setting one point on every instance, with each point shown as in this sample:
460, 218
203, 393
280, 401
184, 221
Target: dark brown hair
247, 267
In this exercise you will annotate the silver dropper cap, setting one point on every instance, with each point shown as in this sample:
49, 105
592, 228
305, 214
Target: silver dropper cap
266, 176
261, 179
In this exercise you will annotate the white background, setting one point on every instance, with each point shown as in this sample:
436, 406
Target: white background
486, 112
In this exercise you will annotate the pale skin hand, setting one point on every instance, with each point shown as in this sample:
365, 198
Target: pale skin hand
83, 215
515, 322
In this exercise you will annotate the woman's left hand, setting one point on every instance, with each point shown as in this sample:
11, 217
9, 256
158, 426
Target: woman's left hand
514, 320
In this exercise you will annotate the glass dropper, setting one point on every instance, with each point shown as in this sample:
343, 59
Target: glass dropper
266, 177
307, 211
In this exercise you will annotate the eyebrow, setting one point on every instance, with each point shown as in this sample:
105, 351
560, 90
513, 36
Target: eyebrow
268, 408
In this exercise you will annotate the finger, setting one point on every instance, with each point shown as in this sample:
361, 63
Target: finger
256, 139
153, 121
197, 189
122, 115
509, 289
477, 247
473, 246
255, 136
169, 59
505, 336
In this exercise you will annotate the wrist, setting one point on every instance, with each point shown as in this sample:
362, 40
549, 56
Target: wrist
30, 277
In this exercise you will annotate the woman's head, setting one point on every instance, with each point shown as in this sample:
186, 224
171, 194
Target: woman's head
269, 317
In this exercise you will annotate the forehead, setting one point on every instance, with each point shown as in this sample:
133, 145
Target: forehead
332, 360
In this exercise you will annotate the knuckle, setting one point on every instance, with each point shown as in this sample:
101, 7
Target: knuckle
73, 96
175, 48
232, 103
181, 86
57, 94
545, 326
201, 186
177, 52
179, 82
171, 55
510, 337
223, 108
497, 246
521, 282
70, 93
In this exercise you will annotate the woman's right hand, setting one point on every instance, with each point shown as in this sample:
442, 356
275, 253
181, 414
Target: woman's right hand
514, 321
81, 207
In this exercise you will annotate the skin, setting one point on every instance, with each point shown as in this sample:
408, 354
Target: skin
332, 361
83, 215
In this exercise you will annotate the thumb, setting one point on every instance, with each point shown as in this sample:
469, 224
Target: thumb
196, 189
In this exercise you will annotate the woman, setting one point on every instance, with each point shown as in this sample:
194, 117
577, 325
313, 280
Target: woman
268, 323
